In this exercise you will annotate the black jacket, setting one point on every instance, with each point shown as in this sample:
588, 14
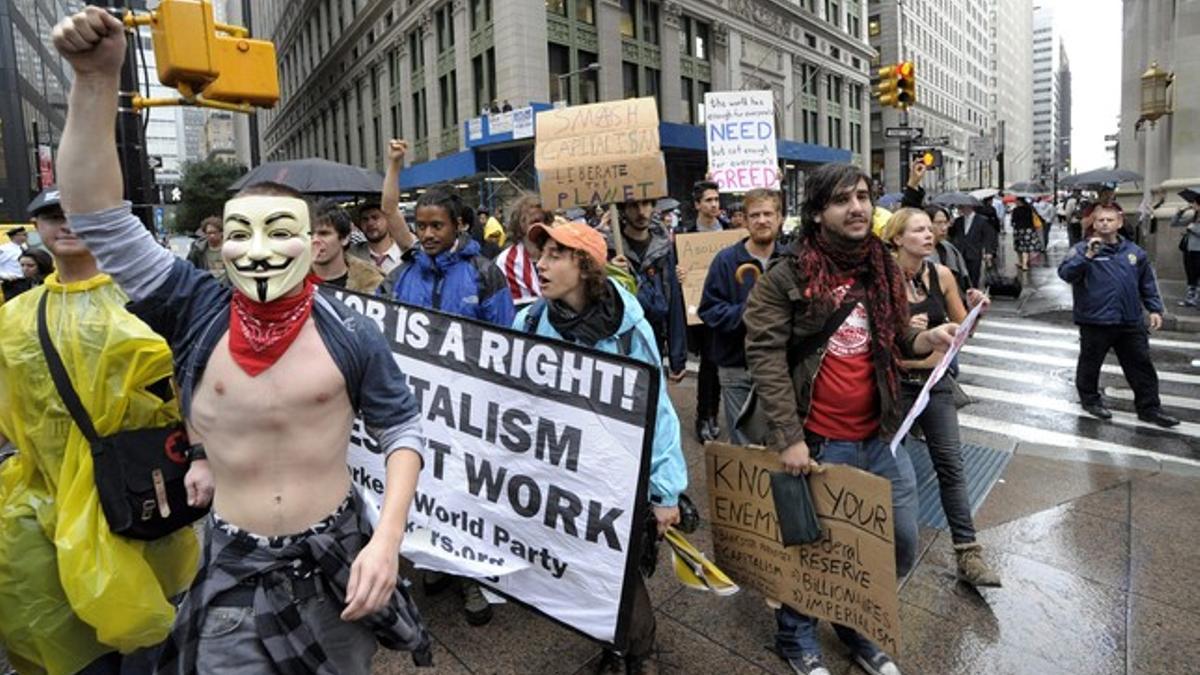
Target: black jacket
974, 244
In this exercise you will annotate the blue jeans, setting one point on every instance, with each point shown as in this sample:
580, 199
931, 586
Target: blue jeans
797, 633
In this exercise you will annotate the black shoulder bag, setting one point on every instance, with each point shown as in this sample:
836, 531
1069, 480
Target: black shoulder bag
139, 474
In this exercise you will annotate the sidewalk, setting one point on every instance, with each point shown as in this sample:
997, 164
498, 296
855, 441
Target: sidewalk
1096, 559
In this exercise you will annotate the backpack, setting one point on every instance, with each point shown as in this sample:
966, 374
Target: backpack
534, 315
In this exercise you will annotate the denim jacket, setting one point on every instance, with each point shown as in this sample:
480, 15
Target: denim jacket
190, 309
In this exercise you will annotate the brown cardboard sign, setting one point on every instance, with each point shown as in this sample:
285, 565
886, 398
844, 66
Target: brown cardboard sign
696, 252
599, 154
847, 577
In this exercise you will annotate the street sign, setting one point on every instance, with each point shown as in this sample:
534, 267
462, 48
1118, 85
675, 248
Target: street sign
156, 162
903, 132
979, 148
932, 141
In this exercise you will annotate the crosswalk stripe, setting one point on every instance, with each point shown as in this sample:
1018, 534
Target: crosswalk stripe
1060, 362
1039, 328
1058, 439
1060, 405
969, 369
1172, 401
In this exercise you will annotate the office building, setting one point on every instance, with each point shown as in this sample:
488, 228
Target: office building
1011, 69
1047, 96
950, 46
354, 74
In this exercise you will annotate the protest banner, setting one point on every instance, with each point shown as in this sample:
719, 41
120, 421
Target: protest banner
739, 129
847, 577
500, 123
696, 253
922, 400
599, 154
523, 122
535, 458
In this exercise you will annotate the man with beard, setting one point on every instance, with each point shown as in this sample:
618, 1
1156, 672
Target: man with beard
270, 375
205, 254
726, 288
382, 223
826, 329
650, 257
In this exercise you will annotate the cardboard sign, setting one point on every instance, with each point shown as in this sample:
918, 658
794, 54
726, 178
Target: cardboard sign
536, 458
696, 252
740, 130
847, 577
599, 154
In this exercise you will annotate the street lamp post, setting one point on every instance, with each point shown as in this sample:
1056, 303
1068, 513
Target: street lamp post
566, 78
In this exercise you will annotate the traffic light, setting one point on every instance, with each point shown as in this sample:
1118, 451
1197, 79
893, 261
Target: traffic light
931, 158
906, 83
211, 64
889, 87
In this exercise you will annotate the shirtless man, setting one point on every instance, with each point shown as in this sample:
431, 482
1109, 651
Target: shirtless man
270, 377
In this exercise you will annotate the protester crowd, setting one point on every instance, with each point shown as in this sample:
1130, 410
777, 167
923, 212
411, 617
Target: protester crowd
825, 339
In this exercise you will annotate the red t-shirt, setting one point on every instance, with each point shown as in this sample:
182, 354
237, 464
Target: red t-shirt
845, 401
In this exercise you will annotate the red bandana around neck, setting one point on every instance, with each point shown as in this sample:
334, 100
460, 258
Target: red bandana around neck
260, 332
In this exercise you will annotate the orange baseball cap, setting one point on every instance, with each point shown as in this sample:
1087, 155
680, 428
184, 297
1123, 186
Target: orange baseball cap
573, 234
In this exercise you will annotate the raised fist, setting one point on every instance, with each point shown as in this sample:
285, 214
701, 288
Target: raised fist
92, 41
396, 150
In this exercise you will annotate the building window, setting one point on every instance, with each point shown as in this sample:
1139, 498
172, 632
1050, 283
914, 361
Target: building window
589, 81
629, 76
833, 12
693, 38
445, 28
585, 11
649, 18
420, 123
692, 95
416, 51
397, 129
835, 132
560, 64
627, 22
558, 7
481, 13
653, 87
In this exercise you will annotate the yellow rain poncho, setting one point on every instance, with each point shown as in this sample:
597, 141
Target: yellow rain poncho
70, 590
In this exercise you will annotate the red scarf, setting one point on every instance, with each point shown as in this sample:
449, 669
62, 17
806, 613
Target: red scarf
260, 332
825, 260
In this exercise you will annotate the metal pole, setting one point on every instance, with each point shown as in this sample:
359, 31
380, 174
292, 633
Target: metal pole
1000, 154
905, 149
131, 143
254, 156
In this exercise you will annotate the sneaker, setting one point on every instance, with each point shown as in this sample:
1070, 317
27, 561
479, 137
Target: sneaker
476, 607
610, 662
876, 663
971, 567
808, 663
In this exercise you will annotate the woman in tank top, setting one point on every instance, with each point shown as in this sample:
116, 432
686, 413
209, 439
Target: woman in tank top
933, 299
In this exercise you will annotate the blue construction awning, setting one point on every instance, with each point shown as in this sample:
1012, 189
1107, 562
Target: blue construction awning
440, 170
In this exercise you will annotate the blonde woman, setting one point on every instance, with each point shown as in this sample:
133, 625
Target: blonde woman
933, 299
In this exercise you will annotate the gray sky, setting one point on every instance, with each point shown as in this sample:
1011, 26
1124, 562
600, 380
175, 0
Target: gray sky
1091, 30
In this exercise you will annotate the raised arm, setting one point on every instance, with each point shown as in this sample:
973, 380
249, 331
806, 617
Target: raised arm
89, 172
389, 201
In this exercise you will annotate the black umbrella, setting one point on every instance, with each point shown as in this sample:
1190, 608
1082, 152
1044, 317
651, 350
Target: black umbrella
956, 199
1100, 177
1191, 194
1032, 187
315, 176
